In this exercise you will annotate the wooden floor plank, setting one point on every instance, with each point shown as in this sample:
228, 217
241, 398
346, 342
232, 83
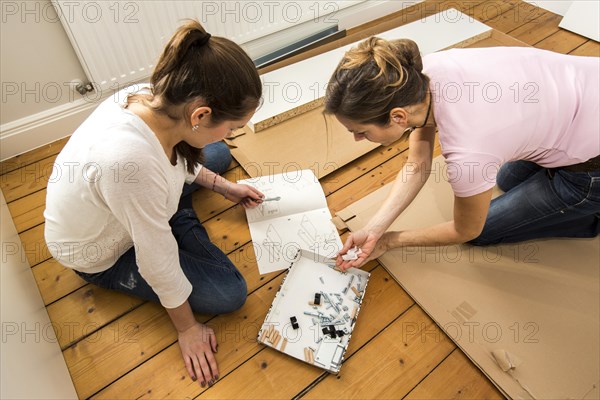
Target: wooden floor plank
35, 246
28, 211
273, 374
494, 9
119, 347
391, 364
236, 334
55, 281
349, 172
561, 42
27, 180
368, 183
86, 311
537, 30
591, 48
455, 378
515, 17
33, 156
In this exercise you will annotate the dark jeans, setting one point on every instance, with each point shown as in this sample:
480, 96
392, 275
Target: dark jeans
218, 287
542, 203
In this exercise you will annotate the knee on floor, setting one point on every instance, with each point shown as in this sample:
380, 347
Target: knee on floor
223, 299
236, 298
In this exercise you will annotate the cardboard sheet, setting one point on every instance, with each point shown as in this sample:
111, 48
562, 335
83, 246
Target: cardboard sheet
537, 302
310, 141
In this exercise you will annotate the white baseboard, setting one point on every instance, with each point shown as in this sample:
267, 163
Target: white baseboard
40, 129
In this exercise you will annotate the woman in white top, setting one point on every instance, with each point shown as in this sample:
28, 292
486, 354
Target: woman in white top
114, 208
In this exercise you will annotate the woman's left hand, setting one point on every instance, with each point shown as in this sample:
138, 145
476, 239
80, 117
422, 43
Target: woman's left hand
243, 194
372, 246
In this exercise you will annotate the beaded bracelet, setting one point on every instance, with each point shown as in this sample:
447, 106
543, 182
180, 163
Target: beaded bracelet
214, 182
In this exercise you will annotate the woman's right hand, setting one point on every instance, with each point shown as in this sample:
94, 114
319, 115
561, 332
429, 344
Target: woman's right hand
366, 241
198, 344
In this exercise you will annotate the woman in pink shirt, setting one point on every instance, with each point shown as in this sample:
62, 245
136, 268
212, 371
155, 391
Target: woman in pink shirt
522, 118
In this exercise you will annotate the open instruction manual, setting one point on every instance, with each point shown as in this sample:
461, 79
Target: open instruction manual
293, 216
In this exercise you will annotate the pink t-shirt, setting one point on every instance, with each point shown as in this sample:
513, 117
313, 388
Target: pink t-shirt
500, 104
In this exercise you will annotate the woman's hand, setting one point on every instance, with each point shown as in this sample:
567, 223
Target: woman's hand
243, 194
198, 343
371, 244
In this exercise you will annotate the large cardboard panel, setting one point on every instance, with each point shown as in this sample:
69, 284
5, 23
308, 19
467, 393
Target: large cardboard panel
311, 141
538, 300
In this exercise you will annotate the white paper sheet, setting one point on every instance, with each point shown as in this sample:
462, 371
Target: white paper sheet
300, 219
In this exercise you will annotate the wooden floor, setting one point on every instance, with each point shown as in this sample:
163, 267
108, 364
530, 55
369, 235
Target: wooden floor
117, 346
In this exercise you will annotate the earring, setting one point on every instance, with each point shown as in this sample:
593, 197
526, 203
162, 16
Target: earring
195, 127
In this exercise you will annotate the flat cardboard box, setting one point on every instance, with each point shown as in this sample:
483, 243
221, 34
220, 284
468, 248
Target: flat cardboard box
539, 301
341, 297
312, 141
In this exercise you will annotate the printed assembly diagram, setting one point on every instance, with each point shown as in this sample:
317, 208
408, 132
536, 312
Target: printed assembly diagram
293, 216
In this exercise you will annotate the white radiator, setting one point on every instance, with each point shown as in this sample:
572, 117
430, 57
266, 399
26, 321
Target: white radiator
118, 42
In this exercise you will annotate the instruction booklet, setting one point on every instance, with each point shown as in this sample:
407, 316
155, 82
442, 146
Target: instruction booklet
293, 216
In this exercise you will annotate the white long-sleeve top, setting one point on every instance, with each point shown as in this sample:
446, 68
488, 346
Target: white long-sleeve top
113, 187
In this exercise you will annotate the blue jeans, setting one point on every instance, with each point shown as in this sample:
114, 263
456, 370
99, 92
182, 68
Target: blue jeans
218, 286
542, 203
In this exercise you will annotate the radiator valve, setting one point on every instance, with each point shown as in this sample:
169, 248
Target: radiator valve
81, 87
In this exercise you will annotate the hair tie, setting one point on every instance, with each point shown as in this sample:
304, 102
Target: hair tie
204, 40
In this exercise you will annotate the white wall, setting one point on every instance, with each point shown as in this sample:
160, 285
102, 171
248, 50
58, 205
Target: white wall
36, 60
